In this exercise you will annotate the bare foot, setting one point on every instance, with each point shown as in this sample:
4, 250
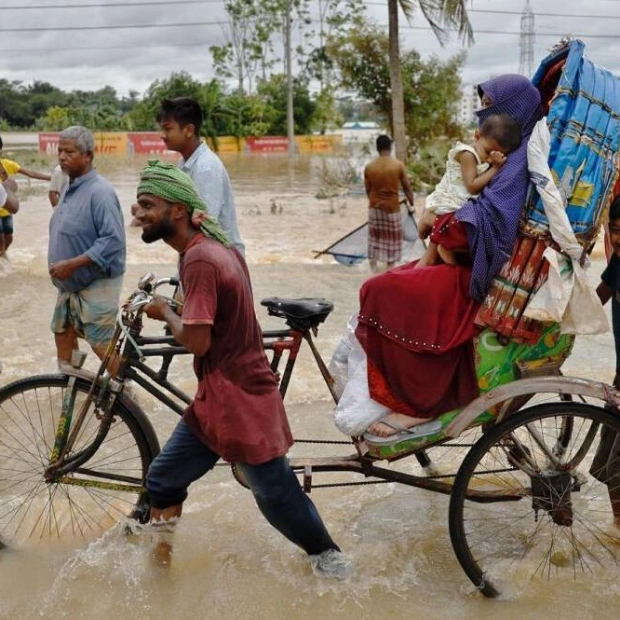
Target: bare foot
398, 419
162, 554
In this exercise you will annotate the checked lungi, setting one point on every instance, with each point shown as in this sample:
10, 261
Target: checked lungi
385, 235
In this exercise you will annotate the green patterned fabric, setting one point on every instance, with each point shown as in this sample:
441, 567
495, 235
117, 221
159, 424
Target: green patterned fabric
497, 364
172, 184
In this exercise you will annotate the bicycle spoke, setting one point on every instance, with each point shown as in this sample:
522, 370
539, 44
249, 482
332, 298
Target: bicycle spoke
78, 504
563, 526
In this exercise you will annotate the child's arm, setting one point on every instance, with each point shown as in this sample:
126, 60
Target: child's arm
35, 175
474, 182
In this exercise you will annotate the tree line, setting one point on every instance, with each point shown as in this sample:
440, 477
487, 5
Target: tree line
342, 72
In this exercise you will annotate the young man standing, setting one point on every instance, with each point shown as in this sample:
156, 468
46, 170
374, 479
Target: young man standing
383, 177
237, 413
180, 120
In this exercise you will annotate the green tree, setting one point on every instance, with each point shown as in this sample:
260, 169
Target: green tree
54, 119
431, 88
143, 116
440, 15
273, 93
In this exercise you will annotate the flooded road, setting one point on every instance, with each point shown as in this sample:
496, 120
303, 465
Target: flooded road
228, 563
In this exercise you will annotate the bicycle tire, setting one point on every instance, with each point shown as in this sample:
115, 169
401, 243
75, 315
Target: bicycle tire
544, 517
83, 503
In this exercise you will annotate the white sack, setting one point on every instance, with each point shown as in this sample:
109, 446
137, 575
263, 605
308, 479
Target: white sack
356, 411
339, 363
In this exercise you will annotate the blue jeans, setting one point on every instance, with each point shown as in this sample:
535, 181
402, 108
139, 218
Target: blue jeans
274, 485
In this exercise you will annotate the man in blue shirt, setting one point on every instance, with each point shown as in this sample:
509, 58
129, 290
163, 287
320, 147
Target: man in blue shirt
86, 255
180, 120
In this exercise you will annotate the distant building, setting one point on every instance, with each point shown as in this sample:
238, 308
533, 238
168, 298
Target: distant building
469, 103
359, 132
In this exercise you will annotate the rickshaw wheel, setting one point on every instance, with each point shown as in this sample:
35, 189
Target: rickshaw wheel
531, 504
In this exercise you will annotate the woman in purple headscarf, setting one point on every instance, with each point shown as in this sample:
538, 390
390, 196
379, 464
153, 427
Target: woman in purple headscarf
417, 325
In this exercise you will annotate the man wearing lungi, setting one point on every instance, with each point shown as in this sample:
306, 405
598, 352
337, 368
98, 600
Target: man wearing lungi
383, 177
86, 254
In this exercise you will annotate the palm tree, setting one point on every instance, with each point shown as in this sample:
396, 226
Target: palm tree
440, 14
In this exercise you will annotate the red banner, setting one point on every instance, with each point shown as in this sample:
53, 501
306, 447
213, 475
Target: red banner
146, 143
48, 143
267, 144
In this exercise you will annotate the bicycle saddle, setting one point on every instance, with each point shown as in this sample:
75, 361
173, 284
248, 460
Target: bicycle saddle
301, 314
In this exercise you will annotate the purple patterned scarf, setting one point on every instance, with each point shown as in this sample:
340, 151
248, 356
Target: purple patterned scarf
492, 219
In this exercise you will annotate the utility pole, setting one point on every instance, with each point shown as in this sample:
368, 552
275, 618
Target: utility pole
526, 40
290, 118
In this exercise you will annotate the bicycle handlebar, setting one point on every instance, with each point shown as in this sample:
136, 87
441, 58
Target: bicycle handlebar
147, 285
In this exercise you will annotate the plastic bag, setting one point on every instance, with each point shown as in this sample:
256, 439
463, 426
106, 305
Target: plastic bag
568, 298
339, 363
356, 411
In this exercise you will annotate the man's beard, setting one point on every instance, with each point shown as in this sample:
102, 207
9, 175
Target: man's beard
164, 230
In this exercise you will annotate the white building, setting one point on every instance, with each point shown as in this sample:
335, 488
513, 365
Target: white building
359, 132
469, 103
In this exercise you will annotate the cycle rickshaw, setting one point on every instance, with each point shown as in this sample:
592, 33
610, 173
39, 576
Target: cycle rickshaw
517, 462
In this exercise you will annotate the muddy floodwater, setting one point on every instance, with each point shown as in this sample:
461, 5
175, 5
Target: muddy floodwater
228, 563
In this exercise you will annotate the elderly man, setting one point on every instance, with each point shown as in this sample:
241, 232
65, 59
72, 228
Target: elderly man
86, 255
237, 413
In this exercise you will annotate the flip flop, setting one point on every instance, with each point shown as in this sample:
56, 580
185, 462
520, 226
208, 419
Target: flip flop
419, 430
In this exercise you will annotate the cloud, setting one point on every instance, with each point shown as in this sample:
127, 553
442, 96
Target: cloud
132, 58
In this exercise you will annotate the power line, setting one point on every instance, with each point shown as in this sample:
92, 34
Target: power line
538, 13
224, 22
119, 27
107, 5
189, 2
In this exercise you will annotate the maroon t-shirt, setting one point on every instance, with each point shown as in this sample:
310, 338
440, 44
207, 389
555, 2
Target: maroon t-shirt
237, 410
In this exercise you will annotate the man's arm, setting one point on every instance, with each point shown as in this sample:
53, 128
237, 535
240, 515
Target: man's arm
404, 180
108, 219
366, 183
196, 338
11, 202
35, 175
54, 197
64, 269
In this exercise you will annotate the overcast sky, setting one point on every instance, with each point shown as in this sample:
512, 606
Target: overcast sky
88, 44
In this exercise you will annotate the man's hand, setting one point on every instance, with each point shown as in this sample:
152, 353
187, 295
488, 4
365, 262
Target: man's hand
63, 269
158, 308
425, 225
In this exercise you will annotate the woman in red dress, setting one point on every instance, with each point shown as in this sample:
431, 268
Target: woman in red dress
417, 325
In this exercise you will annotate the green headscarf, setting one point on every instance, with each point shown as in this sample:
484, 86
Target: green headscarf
169, 182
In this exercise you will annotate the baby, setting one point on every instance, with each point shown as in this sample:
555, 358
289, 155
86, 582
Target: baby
469, 170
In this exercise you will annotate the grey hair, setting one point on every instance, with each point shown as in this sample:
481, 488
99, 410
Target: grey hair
82, 137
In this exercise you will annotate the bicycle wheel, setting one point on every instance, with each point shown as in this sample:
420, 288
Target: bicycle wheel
526, 508
82, 503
